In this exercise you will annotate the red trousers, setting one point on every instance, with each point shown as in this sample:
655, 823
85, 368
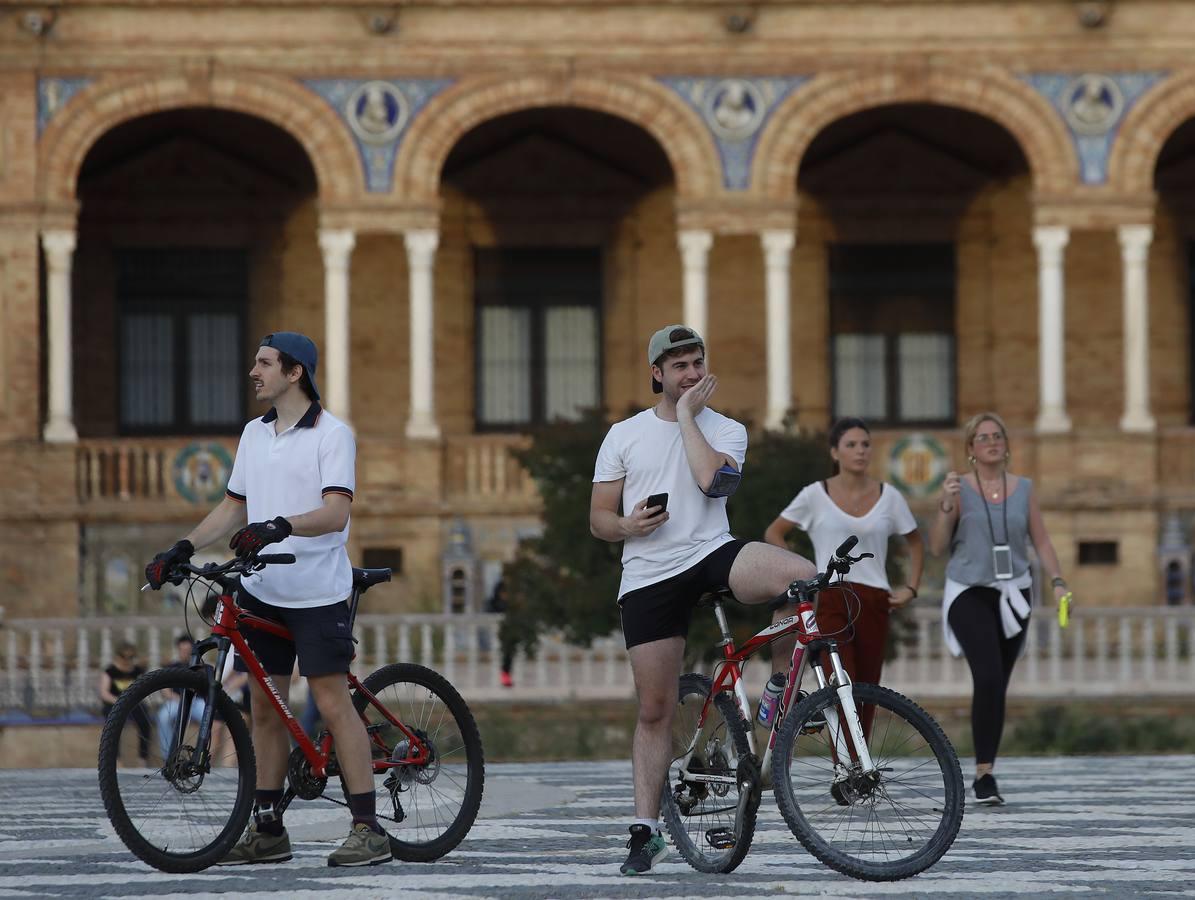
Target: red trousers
861, 643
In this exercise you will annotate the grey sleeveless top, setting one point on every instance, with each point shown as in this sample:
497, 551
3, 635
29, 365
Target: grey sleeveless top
971, 547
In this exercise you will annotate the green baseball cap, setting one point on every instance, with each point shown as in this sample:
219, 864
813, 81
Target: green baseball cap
669, 338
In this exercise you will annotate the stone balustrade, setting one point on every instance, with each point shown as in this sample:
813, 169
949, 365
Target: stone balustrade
51, 667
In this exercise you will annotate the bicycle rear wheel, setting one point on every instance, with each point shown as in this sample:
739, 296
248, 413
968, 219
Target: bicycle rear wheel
704, 817
883, 827
432, 804
172, 814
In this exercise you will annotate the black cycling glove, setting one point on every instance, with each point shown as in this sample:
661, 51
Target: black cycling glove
254, 536
158, 572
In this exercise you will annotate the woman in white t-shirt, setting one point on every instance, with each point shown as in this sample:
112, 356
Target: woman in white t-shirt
829, 511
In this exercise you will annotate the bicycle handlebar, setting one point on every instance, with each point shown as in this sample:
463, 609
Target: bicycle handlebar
840, 563
235, 566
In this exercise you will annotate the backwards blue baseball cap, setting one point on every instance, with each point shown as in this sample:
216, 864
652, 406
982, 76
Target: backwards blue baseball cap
300, 348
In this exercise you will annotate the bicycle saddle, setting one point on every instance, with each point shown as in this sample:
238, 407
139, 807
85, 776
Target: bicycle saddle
721, 595
364, 579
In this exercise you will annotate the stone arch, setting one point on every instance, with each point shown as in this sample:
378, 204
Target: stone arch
1003, 99
1145, 131
104, 105
677, 128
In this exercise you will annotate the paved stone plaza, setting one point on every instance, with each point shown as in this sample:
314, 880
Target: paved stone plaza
1113, 826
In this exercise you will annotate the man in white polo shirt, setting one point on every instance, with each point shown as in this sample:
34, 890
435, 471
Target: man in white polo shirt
293, 480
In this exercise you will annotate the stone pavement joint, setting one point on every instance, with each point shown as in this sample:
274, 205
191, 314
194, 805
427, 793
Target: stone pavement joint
1111, 826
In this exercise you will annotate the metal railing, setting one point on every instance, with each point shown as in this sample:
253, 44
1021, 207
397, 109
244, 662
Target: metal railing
51, 667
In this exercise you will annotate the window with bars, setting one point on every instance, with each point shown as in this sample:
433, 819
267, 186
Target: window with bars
538, 335
182, 340
892, 326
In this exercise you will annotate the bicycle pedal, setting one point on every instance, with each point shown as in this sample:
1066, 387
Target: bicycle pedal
721, 838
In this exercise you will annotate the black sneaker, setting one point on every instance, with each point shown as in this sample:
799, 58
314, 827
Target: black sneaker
647, 848
986, 792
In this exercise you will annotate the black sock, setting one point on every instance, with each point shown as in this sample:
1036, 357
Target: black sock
364, 810
268, 820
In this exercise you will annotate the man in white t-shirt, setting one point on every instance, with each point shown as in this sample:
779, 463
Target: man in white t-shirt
293, 479
673, 555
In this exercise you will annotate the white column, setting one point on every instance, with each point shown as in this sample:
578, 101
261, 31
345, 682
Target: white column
59, 246
778, 248
421, 253
1050, 241
1134, 255
337, 246
694, 250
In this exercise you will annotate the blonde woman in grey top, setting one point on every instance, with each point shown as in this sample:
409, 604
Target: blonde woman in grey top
987, 519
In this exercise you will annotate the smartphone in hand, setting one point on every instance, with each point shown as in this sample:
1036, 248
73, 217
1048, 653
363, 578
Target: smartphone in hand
660, 500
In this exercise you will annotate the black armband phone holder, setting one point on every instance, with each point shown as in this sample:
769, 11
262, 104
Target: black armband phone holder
725, 483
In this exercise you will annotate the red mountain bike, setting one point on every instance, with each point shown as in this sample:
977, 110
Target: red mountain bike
879, 802
188, 803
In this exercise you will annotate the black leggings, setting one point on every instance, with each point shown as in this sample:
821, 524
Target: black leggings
975, 620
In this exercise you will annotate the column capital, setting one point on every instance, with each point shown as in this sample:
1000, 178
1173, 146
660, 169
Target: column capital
778, 242
421, 244
1051, 240
1134, 241
59, 243
337, 244
695, 242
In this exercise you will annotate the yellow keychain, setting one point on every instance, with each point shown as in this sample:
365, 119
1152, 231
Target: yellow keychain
1064, 609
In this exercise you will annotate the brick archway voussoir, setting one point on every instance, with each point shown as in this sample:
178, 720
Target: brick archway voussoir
676, 128
1004, 100
1151, 122
108, 103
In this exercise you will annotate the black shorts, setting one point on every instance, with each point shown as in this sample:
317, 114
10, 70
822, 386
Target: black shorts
322, 638
665, 609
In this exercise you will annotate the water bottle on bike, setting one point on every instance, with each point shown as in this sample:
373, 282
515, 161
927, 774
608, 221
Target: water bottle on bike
769, 700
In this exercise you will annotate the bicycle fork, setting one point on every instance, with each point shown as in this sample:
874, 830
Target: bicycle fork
201, 754
846, 702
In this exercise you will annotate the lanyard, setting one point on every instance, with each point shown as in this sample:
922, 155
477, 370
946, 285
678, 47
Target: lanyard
1003, 508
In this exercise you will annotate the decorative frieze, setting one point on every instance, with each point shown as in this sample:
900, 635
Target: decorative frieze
735, 110
378, 113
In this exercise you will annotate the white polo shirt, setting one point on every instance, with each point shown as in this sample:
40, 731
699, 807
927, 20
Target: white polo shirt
288, 474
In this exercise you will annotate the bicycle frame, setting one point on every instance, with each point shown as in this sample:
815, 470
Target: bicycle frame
226, 634
728, 677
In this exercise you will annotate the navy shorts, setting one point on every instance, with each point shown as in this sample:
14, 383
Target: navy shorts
322, 641
665, 609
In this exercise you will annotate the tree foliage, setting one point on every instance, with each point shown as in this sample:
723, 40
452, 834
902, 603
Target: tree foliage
566, 580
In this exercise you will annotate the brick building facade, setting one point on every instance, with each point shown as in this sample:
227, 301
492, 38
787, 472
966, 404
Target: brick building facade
480, 210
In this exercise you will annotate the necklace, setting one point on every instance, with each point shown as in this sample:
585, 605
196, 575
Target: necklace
990, 486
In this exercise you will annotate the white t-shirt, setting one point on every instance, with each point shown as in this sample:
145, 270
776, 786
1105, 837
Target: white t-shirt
649, 454
286, 475
828, 526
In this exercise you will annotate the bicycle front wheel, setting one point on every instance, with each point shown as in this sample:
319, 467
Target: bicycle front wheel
432, 803
176, 813
710, 827
880, 826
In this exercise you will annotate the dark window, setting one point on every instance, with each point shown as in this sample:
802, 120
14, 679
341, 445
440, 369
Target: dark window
1099, 553
538, 335
892, 325
182, 340
382, 558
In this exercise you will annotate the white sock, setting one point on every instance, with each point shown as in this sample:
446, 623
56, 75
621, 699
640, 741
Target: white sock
653, 824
